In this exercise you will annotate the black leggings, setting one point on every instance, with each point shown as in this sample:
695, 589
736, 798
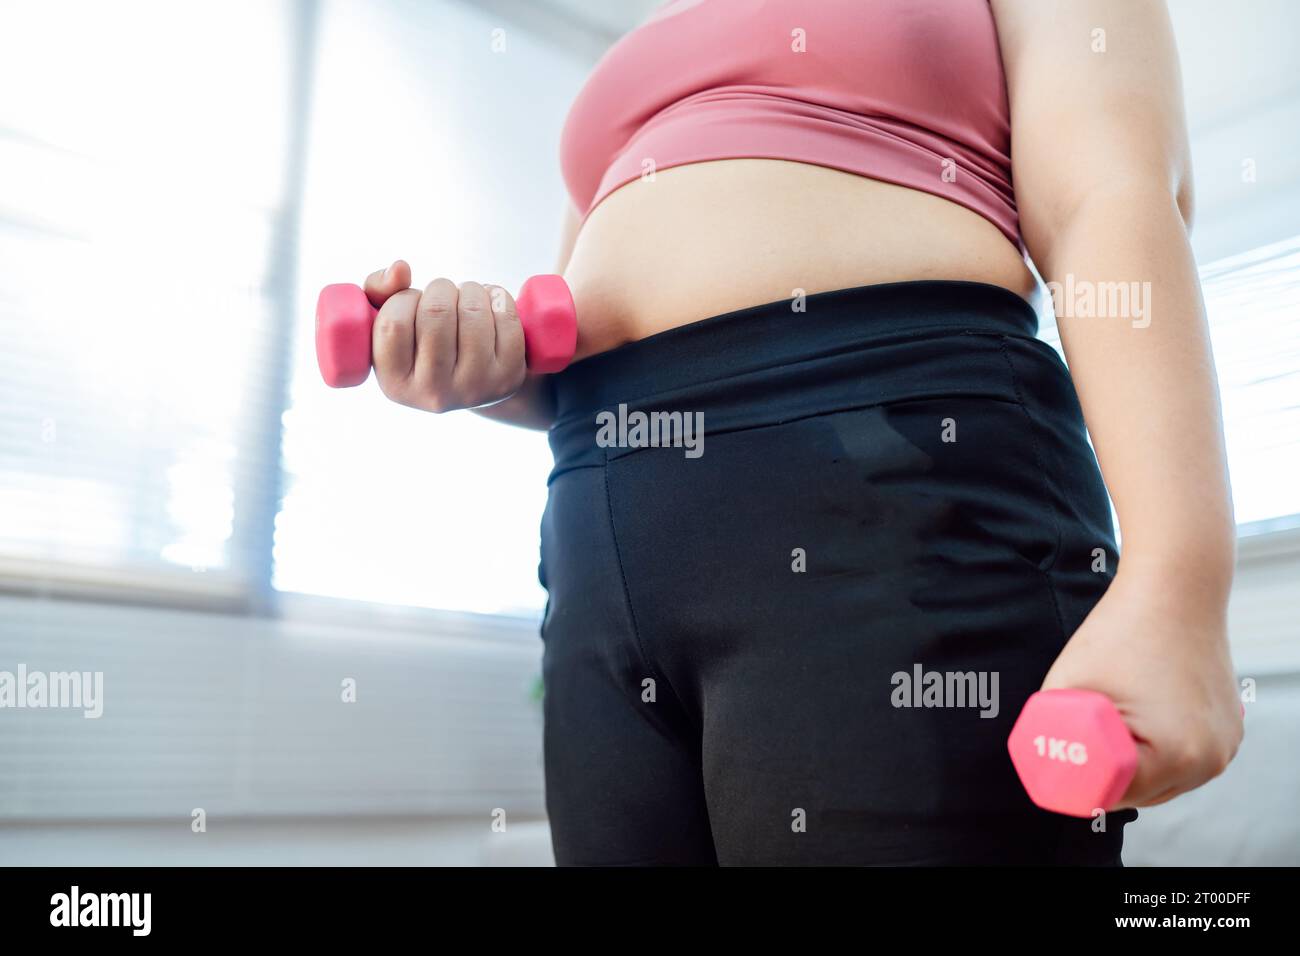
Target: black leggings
805, 640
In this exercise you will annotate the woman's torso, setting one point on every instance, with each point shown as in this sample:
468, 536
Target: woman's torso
700, 138
695, 244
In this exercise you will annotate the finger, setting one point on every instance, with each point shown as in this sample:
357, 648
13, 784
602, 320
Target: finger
1150, 779
435, 336
1161, 773
509, 333
380, 286
393, 341
475, 339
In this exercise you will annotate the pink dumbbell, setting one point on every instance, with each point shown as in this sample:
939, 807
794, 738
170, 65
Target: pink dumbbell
1072, 751
345, 319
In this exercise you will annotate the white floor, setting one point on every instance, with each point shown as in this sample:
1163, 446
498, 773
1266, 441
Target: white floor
412, 841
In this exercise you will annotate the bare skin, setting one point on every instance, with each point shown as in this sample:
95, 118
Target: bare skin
1103, 185
816, 229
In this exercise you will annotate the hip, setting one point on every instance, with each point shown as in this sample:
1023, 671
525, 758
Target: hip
910, 446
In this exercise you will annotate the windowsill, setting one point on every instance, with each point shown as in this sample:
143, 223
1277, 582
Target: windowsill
183, 588
222, 592
1268, 540
317, 611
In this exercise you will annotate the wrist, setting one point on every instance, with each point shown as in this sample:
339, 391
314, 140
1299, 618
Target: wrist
1196, 574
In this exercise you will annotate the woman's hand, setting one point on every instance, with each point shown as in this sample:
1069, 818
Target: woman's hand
447, 347
1159, 651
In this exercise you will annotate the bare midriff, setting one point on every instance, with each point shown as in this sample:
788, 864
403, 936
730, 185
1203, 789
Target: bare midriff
707, 238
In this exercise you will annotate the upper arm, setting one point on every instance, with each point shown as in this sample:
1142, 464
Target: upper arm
568, 236
1096, 104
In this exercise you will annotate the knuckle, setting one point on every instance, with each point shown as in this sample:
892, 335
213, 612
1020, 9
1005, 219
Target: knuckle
390, 323
1184, 759
440, 402
438, 299
1203, 760
503, 304
474, 306
437, 308
397, 314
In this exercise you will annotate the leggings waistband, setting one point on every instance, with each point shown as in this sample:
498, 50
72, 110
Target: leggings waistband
770, 363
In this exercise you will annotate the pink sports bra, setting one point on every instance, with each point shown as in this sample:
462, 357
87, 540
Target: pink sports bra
905, 91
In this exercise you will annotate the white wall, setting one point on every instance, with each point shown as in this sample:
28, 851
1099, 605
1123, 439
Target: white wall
1242, 91
252, 716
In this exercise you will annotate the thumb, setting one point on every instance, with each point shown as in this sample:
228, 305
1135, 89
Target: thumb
382, 285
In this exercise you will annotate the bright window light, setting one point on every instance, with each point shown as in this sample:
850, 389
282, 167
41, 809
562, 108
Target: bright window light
1253, 301
135, 234
428, 155
1253, 305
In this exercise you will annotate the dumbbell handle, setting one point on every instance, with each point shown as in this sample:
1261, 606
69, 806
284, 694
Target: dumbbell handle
345, 321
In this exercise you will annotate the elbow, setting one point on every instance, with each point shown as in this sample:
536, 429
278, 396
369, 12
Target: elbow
1104, 210
1186, 199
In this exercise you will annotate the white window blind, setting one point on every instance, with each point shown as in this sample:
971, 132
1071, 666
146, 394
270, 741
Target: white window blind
1252, 302
140, 178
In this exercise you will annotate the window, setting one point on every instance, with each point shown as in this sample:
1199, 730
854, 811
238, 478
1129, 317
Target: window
143, 434
1253, 301
1253, 304
137, 217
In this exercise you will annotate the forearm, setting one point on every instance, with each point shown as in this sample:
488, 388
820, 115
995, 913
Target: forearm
532, 406
1147, 385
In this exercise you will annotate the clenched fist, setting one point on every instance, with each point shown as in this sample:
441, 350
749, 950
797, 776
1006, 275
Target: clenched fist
447, 347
